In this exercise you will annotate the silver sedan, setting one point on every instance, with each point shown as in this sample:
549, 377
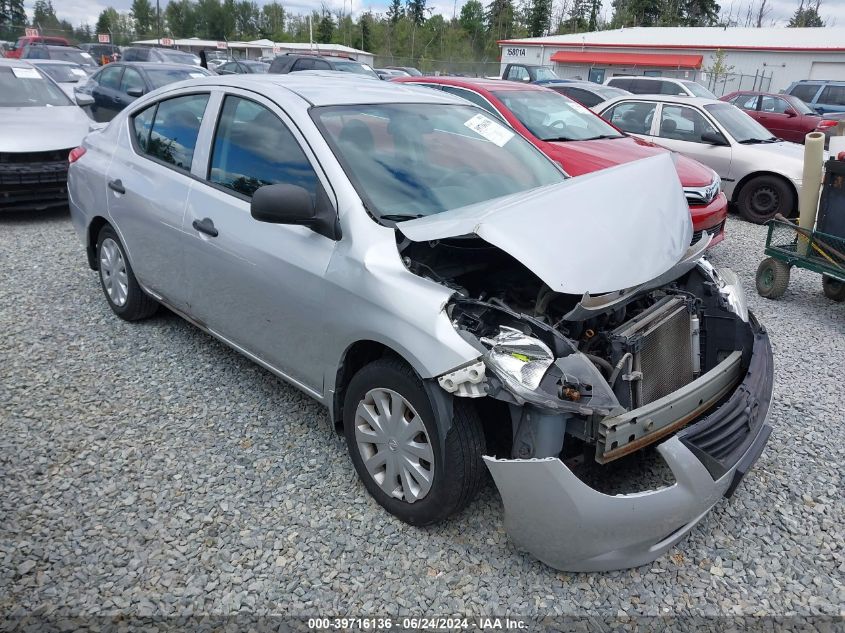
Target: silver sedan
446, 291
760, 173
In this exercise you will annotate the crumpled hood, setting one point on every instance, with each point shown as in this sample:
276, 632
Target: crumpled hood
601, 232
42, 129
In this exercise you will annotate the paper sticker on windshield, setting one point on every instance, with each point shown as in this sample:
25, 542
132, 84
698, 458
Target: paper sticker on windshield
86, 56
25, 73
195, 75
489, 129
78, 72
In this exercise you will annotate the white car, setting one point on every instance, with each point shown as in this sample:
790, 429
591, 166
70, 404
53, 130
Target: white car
660, 86
760, 173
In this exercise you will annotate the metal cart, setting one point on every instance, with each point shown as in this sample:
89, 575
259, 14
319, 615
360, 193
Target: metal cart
788, 245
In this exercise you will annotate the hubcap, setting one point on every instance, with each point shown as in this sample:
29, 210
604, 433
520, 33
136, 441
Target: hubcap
765, 200
113, 272
768, 277
394, 445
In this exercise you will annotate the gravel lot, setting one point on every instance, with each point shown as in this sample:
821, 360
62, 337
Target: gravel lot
147, 469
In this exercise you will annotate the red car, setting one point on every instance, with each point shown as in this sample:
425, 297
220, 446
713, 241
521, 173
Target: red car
785, 116
17, 49
581, 141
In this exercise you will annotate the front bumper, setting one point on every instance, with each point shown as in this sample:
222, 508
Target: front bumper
711, 218
570, 526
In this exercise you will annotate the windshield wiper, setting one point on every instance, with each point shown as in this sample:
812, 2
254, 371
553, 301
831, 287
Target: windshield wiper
399, 217
758, 141
558, 139
602, 136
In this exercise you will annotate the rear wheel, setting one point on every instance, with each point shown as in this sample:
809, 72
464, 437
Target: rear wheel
393, 437
772, 278
125, 297
763, 197
833, 288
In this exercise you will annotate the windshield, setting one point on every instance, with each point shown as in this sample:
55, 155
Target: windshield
26, 87
355, 67
417, 159
178, 57
552, 117
739, 125
698, 90
64, 73
162, 76
543, 73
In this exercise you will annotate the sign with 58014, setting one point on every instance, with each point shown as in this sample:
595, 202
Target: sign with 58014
516, 52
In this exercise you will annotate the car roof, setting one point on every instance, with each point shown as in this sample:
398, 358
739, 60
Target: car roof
473, 82
157, 66
323, 88
697, 101
14, 63
52, 62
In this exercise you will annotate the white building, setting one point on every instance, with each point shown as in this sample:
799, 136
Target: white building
766, 58
258, 48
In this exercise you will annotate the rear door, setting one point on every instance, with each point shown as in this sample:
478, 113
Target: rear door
259, 285
149, 179
106, 93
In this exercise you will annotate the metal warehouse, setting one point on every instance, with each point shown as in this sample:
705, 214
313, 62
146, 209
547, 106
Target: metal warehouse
763, 59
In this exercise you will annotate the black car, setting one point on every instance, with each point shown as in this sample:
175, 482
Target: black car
118, 84
159, 55
101, 52
242, 67
586, 92
292, 62
62, 53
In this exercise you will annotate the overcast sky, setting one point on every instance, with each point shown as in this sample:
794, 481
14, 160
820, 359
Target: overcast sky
82, 11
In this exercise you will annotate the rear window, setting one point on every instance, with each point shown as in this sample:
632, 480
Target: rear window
72, 55
64, 73
172, 136
805, 92
162, 76
833, 95
621, 82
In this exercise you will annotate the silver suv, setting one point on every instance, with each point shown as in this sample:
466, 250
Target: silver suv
446, 291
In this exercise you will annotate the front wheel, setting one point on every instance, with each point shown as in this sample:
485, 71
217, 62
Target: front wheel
123, 293
763, 197
393, 437
772, 278
833, 288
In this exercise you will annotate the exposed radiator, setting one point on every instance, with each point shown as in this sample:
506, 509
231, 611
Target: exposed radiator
660, 343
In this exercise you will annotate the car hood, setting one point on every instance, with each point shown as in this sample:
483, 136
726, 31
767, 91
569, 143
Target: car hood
606, 231
783, 158
583, 157
42, 129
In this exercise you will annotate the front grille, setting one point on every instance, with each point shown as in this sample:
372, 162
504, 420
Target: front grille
721, 438
33, 180
713, 230
660, 341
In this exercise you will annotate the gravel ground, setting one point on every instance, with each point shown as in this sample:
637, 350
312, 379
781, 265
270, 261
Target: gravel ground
147, 469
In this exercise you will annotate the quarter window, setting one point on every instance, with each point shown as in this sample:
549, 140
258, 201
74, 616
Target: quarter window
173, 135
142, 123
253, 148
632, 117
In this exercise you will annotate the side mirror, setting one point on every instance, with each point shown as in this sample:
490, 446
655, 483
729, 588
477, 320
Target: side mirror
713, 137
83, 99
790, 113
135, 92
290, 204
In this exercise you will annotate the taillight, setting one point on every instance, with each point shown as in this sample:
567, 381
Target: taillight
826, 123
75, 154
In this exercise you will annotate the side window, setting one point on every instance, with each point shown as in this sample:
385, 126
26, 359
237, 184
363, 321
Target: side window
632, 117
110, 77
518, 73
475, 98
174, 131
131, 80
253, 148
142, 123
833, 95
773, 105
683, 124
805, 92
746, 102
319, 64
303, 64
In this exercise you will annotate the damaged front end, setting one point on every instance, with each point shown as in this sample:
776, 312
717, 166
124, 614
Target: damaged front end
675, 361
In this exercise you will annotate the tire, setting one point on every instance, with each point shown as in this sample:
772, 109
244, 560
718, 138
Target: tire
772, 278
123, 294
763, 197
456, 471
833, 288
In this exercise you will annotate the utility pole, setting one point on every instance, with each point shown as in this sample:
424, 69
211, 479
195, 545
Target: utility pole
158, 22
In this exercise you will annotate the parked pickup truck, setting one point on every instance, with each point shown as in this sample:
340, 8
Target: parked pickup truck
531, 73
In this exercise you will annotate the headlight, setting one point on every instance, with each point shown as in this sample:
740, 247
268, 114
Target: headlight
518, 358
729, 287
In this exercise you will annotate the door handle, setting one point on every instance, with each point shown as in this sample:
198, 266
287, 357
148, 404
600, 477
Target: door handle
205, 226
116, 185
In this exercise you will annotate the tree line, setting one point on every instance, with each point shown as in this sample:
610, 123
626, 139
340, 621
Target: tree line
407, 29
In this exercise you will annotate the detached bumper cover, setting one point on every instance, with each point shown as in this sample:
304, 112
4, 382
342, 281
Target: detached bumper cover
568, 525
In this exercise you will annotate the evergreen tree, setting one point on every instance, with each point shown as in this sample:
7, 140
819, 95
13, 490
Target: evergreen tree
325, 28
144, 16
273, 20
807, 16
472, 22
500, 19
394, 11
366, 31
415, 11
539, 17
